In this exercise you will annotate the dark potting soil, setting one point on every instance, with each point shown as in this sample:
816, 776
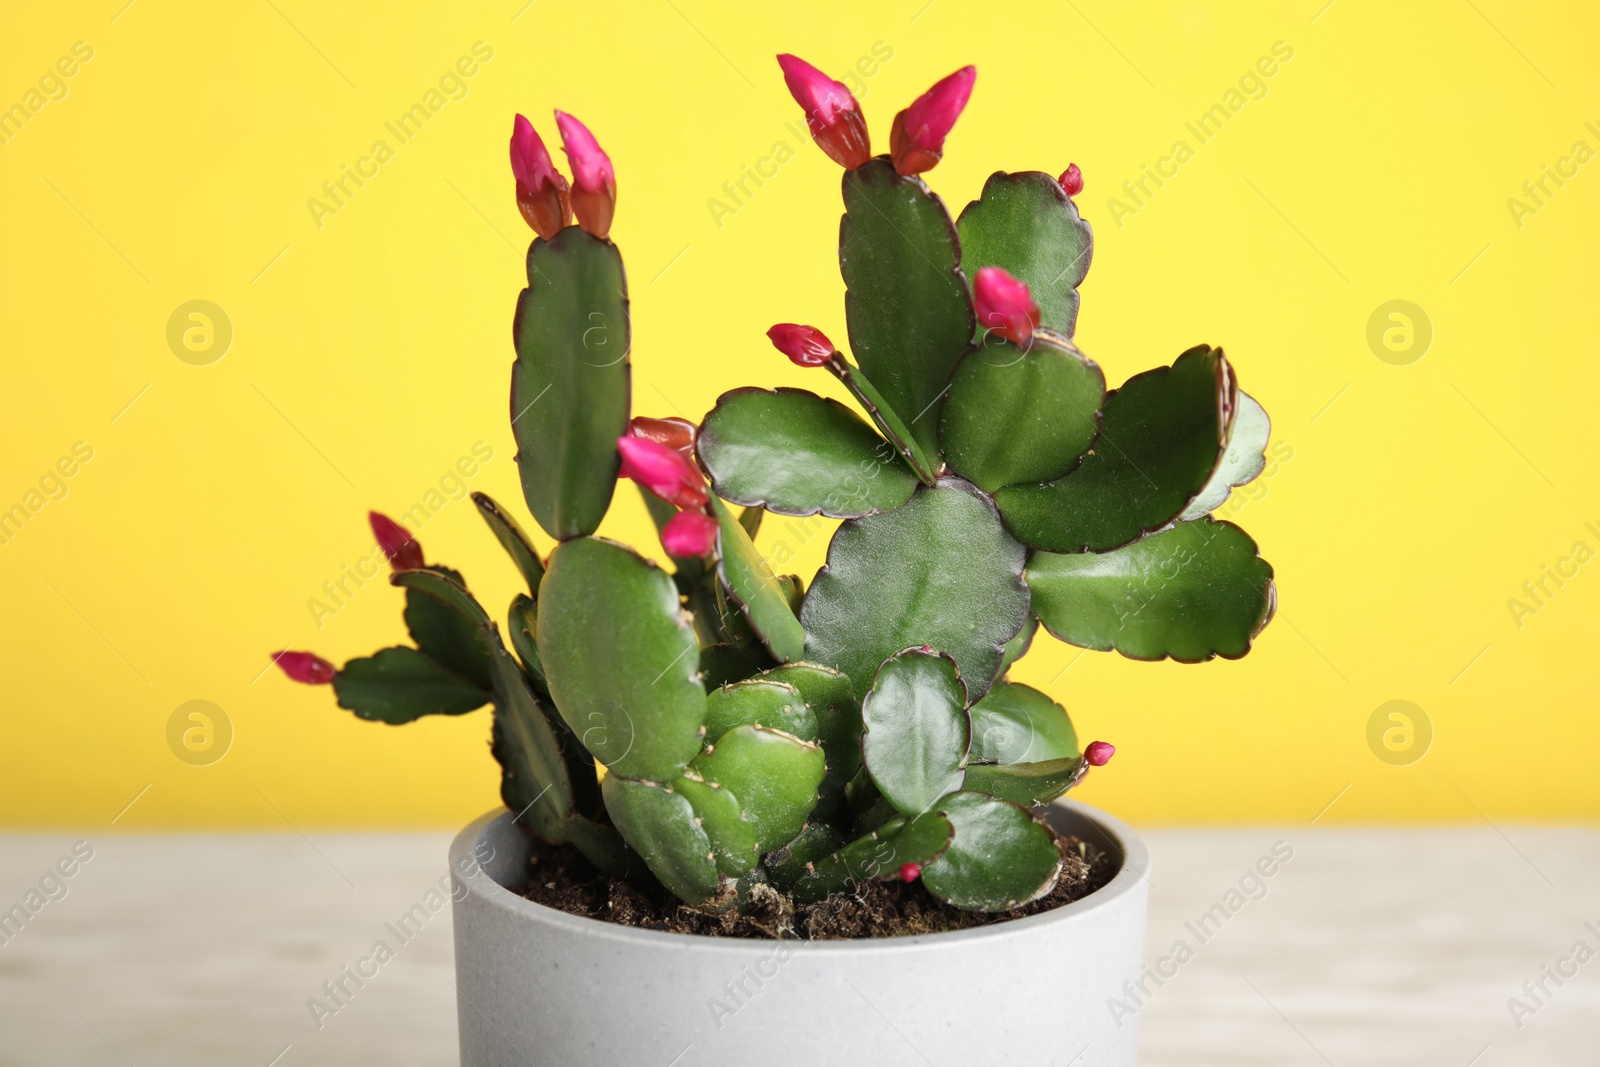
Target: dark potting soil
564, 880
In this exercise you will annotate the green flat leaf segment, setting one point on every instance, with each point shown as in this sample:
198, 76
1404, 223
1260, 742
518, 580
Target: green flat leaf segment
774, 775
1015, 415
1026, 784
732, 836
796, 453
435, 600
661, 825
999, 858
1027, 225
1162, 436
747, 577
1016, 723
621, 659
917, 731
759, 702
924, 462
1190, 593
832, 701
906, 300
511, 537
400, 685
570, 383
877, 855
940, 570
534, 781
1243, 460
446, 586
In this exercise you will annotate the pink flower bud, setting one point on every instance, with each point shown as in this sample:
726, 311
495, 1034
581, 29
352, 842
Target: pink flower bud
1072, 180
1099, 753
594, 186
403, 551
910, 872
676, 434
916, 142
663, 471
806, 346
835, 118
305, 667
1005, 305
688, 534
541, 190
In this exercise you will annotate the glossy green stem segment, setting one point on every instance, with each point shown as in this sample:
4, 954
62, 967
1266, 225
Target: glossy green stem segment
1020, 414
999, 858
1190, 593
453, 640
522, 624
833, 704
570, 383
792, 862
923, 462
796, 453
1016, 723
775, 776
1027, 225
400, 685
513, 540
877, 855
732, 836
753, 586
917, 731
634, 697
522, 620
1027, 784
759, 702
661, 825
534, 782
906, 301
722, 664
939, 570
1243, 460
1162, 435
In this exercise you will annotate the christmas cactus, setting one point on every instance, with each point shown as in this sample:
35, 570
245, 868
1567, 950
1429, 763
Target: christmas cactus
753, 729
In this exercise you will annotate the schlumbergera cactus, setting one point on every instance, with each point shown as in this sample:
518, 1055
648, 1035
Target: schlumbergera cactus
755, 730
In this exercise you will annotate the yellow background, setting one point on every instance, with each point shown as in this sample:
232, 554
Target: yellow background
372, 352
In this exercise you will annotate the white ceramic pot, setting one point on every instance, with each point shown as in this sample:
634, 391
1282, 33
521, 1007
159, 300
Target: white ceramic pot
540, 988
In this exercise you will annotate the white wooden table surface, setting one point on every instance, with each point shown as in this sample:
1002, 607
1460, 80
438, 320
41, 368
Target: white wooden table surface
1394, 946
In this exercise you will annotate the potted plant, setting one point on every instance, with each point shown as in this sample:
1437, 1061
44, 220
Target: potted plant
803, 767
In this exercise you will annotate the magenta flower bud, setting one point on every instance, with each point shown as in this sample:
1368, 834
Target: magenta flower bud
1099, 753
688, 534
835, 118
402, 550
916, 142
1005, 305
677, 434
1072, 180
664, 471
305, 667
542, 195
910, 872
806, 346
594, 186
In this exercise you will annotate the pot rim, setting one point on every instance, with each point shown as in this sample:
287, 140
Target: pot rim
1134, 869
